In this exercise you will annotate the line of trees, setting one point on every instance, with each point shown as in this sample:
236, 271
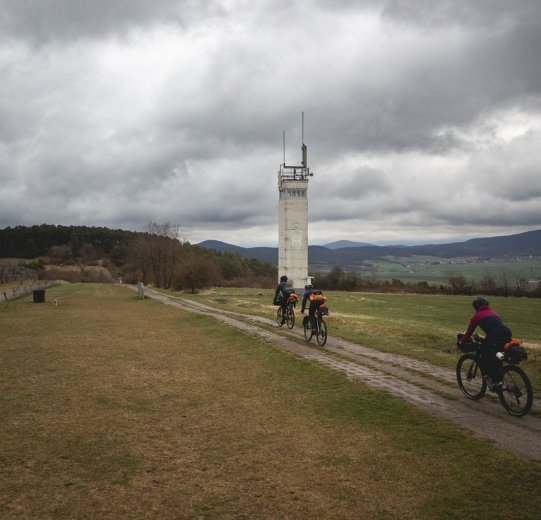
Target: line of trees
157, 256
161, 257
507, 285
340, 280
34, 241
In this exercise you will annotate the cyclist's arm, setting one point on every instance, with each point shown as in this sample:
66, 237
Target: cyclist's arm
304, 299
471, 327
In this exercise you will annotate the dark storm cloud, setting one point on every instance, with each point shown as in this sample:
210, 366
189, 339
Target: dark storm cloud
124, 111
450, 83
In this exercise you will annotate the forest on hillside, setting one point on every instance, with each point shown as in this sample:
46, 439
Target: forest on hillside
35, 241
156, 256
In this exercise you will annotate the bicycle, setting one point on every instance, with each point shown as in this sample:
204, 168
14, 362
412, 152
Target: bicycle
289, 312
515, 394
321, 327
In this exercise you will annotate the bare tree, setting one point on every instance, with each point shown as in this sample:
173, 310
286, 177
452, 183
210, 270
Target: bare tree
164, 250
488, 284
156, 253
335, 277
138, 256
60, 254
505, 283
457, 282
88, 253
197, 272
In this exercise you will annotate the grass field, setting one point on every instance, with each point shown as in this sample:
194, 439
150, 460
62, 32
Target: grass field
115, 407
420, 326
416, 269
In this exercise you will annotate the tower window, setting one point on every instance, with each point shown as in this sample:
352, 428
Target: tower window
293, 194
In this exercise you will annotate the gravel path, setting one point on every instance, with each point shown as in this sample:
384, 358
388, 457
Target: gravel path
430, 388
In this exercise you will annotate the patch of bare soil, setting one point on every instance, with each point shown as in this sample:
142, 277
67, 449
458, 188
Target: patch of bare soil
430, 388
78, 273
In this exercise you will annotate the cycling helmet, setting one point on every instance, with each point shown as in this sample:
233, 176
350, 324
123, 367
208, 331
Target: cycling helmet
283, 278
479, 302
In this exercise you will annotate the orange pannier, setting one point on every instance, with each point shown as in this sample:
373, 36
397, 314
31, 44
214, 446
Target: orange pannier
512, 343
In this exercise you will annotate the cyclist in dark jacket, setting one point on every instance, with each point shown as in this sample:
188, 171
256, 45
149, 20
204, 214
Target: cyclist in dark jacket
283, 292
309, 293
497, 334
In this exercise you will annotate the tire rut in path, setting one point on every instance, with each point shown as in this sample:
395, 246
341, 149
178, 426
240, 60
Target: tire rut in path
396, 374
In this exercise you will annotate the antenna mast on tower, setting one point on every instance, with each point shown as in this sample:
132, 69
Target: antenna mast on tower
293, 217
301, 172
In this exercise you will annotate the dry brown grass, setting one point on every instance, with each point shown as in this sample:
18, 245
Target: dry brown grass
115, 407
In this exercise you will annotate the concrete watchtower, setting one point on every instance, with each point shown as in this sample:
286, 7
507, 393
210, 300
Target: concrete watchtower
293, 220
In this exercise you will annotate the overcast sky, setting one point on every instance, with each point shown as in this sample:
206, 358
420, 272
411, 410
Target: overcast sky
422, 118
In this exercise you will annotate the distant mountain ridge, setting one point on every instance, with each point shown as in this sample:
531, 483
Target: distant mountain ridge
264, 254
340, 244
351, 257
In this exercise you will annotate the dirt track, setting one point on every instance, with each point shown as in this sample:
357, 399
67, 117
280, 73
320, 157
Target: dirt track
428, 387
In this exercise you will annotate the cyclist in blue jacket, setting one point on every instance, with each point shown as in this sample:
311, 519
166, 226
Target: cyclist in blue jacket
309, 294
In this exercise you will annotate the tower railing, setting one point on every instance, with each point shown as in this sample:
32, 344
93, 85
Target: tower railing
294, 173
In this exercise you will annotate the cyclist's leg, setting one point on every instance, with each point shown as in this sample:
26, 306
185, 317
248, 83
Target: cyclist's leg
490, 364
284, 312
290, 317
312, 316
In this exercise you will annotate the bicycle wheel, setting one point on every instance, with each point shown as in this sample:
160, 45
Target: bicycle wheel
307, 330
279, 316
469, 377
290, 317
321, 332
516, 394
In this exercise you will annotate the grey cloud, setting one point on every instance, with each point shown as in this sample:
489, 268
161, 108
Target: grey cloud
489, 212
49, 21
510, 172
444, 77
363, 182
437, 13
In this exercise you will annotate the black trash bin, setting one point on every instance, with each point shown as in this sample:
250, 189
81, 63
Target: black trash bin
39, 295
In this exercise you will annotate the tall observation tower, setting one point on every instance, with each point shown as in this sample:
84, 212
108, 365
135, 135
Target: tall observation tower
293, 220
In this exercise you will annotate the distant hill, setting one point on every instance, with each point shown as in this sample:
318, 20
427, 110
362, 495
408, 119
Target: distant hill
355, 257
522, 244
340, 244
263, 254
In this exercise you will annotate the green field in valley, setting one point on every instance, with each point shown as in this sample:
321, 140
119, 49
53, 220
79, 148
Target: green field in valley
437, 271
116, 407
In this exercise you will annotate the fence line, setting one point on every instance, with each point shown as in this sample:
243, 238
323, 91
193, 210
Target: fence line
23, 290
